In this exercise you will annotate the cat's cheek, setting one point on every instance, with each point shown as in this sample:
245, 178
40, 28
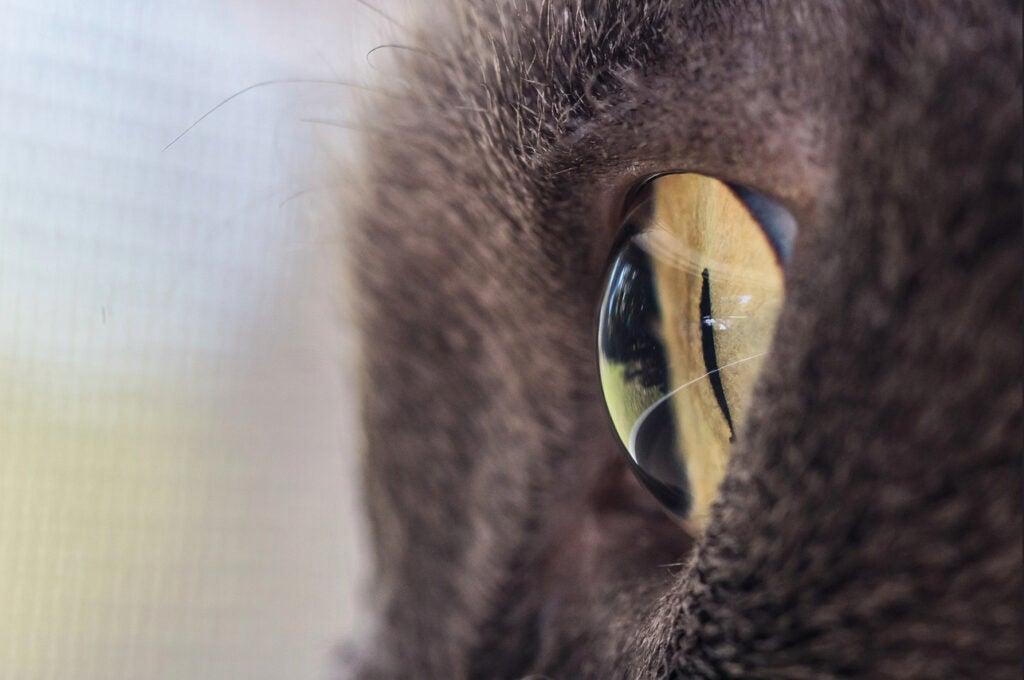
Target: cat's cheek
616, 556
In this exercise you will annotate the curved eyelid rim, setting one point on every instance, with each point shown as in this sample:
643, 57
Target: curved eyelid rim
777, 223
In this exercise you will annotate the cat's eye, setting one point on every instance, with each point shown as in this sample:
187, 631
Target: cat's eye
689, 309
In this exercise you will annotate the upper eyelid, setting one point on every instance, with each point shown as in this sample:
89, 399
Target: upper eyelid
775, 220
778, 224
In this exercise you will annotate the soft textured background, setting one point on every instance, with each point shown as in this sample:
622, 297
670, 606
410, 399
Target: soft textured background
177, 493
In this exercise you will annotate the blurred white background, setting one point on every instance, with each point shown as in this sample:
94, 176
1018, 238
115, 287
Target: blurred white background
178, 490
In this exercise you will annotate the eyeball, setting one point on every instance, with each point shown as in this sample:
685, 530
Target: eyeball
690, 305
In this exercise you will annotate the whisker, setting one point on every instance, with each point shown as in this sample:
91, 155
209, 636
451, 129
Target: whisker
396, 46
265, 83
294, 195
345, 125
340, 124
717, 370
661, 400
380, 12
327, 63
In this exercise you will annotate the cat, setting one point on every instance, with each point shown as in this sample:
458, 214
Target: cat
869, 524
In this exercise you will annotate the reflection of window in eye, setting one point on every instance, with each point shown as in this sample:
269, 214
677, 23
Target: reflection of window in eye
707, 341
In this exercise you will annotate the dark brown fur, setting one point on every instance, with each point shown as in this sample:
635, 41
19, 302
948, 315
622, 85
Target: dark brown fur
870, 524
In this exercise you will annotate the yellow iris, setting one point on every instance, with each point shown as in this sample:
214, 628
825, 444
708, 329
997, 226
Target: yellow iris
689, 311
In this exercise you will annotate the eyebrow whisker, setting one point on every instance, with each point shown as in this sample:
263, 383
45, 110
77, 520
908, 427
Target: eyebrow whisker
380, 12
266, 83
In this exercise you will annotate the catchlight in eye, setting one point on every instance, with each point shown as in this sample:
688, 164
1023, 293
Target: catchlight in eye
689, 309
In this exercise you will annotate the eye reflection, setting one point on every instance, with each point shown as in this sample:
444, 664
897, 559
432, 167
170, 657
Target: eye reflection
689, 309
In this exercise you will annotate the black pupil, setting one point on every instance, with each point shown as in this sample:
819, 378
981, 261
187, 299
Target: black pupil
707, 341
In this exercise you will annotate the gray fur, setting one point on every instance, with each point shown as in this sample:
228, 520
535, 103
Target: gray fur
870, 524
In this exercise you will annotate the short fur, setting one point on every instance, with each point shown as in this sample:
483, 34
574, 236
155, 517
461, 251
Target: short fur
870, 523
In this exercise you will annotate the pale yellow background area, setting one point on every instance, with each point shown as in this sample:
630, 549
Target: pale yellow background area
178, 485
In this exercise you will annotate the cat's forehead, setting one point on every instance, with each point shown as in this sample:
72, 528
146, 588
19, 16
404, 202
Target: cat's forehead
557, 82
558, 97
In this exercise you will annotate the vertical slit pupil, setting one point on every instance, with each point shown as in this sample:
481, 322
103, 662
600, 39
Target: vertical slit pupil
707, 341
